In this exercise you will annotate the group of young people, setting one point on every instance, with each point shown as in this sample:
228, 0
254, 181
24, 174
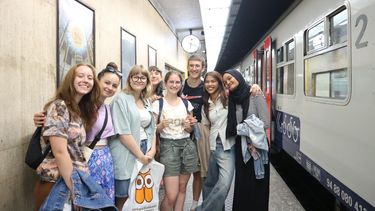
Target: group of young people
134, 117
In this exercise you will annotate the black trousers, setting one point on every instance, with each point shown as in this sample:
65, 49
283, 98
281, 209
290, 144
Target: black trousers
249, 193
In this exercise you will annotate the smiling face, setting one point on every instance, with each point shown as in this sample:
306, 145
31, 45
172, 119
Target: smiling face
156, 77
173, 83
211, 85
83, 80
138, 82
230, 82
109, 83
195, 68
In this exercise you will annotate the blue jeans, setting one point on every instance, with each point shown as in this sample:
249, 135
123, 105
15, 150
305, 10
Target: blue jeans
219, 178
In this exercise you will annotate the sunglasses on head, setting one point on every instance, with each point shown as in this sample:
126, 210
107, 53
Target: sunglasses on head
112, 70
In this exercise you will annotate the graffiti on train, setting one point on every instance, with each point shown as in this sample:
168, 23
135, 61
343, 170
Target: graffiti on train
288, 126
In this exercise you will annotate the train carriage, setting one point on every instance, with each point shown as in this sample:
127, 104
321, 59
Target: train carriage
317, 70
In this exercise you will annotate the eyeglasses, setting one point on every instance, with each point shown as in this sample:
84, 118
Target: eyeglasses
137, 78
112, 70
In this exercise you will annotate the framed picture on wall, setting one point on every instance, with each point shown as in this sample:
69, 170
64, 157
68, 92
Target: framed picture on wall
75, 36
128, 53
152, 57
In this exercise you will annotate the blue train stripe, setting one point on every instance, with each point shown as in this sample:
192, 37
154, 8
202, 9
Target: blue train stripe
287, 137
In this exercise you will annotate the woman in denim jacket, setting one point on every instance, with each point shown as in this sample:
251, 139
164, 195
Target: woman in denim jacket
69, 114
100, 163
134, 126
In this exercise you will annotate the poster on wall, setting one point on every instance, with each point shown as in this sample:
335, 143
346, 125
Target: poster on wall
152, 59
76, 36
128, 53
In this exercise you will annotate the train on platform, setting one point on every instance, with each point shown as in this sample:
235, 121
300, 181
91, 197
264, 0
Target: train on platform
316, 66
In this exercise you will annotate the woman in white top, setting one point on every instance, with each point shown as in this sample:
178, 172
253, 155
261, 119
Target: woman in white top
135, 130
221, 163
177, 151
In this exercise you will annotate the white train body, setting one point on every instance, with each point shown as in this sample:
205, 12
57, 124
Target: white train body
323, 93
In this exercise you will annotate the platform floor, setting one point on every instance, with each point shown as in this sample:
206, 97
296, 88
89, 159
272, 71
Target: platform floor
281, 197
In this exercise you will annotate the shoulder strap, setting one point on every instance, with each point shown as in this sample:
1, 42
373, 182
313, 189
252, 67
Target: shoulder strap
160, 108
186, 103
98, 136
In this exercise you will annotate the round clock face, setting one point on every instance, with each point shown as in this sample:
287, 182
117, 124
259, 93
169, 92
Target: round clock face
190, 43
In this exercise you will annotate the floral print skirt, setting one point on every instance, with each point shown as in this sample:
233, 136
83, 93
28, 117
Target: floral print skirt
101, 170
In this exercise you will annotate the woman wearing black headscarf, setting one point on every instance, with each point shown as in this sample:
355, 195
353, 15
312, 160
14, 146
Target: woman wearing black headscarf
250, 193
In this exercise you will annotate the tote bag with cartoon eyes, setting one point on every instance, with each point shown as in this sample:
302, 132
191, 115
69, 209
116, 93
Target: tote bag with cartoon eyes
144, 187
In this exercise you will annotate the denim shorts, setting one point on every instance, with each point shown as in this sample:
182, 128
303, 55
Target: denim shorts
121, 188
179, 156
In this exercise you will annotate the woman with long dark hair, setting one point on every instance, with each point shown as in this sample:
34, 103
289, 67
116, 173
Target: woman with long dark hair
221, 163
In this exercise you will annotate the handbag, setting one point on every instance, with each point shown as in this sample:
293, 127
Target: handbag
144, 187
34, 154
87, 150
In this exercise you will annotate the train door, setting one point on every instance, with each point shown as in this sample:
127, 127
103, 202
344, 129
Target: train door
259, 67
267, 77
254, 68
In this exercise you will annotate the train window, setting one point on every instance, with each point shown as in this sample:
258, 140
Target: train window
326, 71
285, 79
280, 54
338, 27
285, 71
326, 75
280, 80
315, 37
290, 50
331, 84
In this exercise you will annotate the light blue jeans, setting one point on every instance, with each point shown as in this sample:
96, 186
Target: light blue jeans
219, 178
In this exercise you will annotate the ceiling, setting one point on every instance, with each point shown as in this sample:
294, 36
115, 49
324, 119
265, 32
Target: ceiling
253, 18
181, 16
243, 29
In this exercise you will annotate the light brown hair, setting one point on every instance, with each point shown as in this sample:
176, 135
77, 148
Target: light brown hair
136, 69
87, 107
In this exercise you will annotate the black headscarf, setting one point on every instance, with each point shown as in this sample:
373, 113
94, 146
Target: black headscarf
239, 96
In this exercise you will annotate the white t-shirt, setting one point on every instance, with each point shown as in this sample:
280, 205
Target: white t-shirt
176, 116
145, 118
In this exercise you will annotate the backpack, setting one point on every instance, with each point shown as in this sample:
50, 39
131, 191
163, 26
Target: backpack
34, 154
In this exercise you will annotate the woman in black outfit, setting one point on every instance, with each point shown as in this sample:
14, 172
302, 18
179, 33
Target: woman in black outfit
249, 193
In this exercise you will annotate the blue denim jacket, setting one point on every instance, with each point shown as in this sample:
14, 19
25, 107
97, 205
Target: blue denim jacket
87, 194
252, 130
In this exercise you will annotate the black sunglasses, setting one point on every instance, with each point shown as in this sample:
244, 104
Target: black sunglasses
112, 70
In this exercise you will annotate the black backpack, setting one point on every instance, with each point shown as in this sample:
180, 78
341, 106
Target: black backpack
34, 154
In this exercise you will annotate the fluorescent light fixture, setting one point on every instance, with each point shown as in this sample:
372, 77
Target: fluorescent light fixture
214, 17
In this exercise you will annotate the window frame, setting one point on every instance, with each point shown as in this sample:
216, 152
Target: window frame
286, 63
329, 47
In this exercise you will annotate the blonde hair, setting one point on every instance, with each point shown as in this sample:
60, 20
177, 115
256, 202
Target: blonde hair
136, 69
